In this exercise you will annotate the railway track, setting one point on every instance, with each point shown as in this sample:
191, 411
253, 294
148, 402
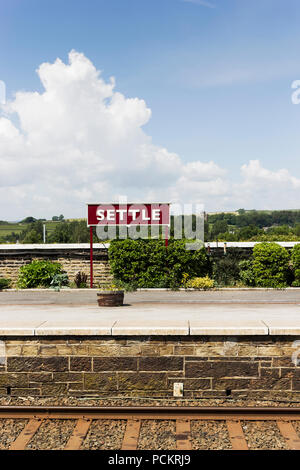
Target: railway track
284, 419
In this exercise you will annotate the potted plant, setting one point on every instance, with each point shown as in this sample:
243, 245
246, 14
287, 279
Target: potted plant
110, 296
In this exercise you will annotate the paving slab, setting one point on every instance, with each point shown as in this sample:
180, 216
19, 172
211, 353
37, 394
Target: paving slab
282, 320
67, 330
12, 330
244, 327
153, 324
55, 320
77, 321
17, 323
285, 325
228, 320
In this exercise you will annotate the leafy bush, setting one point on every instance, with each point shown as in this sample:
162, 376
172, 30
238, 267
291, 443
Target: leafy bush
4, 283
270, 265
147, 263
204, 283
81, 279
295, 257
296, 282
247, 275
38, 274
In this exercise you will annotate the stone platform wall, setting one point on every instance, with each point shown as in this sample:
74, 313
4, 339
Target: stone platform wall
257, 367
72, 261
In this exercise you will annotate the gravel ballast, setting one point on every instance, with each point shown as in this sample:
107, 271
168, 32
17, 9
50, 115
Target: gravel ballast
141, 401
9, 431
105, 434
209, 435
52, 435
157, 435
263, 435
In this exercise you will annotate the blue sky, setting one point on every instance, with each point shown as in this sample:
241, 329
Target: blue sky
216, 75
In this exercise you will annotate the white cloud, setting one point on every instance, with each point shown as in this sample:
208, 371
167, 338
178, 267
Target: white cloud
255, 175
81, 140
201, 171
265, 188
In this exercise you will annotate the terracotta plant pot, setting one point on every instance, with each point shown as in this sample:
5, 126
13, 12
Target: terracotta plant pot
114, 298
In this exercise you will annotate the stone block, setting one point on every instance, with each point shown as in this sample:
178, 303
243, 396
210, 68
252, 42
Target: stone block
80, 363
114, 363
13, 380
142, 381
56, 389
100, 381
42, 377
166, 363
32, 364
67, 377
216, 369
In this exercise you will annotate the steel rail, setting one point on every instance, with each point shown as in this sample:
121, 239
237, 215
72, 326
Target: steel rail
153, 412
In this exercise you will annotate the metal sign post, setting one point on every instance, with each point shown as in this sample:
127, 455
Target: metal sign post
167, 237
91, 257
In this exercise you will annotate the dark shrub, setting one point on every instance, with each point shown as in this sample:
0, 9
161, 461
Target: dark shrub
226, 270
4, 283
81, 279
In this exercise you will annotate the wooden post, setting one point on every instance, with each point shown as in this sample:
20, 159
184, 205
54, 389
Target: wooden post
91, 257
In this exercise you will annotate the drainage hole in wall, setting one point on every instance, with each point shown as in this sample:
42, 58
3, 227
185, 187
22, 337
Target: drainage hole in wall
228, 392
8, 390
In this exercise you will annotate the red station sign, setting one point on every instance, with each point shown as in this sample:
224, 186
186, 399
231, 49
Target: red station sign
128, 214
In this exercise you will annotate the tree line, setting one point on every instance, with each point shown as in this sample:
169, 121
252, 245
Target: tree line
240, 226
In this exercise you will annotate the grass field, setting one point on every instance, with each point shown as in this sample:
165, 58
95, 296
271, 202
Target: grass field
8, 228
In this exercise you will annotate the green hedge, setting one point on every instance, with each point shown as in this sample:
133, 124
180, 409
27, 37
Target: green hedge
295, 257
271, 265
147, 263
